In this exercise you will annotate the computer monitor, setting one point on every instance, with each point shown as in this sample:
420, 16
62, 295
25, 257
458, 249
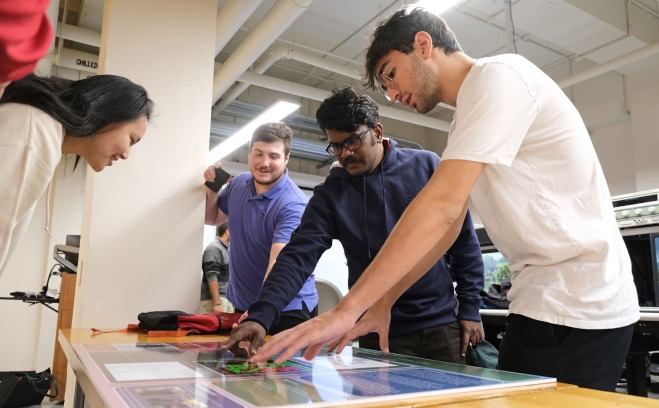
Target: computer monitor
67, 255
643, 251
73, 241
654, 250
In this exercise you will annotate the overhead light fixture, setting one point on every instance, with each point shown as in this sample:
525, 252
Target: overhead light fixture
435, 6
275, 113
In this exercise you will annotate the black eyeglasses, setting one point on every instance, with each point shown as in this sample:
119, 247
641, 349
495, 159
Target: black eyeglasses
352, 144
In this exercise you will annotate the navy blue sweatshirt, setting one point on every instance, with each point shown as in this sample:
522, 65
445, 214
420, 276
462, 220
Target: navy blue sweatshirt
360, 212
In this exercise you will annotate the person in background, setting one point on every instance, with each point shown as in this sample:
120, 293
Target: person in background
358, 204
520, 153
99, 119
215, 279
263, 206
25, 37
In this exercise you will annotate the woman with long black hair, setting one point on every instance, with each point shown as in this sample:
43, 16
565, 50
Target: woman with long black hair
99, 119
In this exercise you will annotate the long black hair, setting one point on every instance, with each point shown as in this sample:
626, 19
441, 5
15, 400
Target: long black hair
83, 107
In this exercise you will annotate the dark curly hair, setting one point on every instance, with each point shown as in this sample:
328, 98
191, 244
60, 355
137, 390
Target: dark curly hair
83, 107
397, 33
345, 110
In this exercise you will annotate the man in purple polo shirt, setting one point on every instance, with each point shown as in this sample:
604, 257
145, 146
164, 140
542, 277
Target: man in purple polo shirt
263, 207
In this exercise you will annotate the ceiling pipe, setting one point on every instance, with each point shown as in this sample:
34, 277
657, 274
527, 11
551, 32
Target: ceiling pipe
276, 21
324, 63
78, 34
282, 52
564, 83
275, 54
44, 67
610, 65
229, 20
328, 65
509, 31
238, 88
308, 92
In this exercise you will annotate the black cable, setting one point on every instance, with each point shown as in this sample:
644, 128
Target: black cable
44, 289
512, 25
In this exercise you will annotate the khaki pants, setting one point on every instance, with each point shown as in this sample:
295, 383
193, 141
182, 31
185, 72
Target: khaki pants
206, 306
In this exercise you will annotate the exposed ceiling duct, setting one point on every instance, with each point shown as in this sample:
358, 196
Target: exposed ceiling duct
78, 34
276, 21
278, 53
283, 53
320, 94
300, 148
298, 67
610, 65
239, 10
229, 20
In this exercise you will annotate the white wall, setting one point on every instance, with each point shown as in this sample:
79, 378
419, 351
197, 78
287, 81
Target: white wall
26, 327
28, 269
629, 145
643, 97
615, 150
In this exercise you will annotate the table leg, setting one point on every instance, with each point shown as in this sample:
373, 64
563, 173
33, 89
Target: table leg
78, 397
636, 379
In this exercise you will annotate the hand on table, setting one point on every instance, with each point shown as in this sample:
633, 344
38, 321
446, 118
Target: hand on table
247, 332
314, 334
376, 319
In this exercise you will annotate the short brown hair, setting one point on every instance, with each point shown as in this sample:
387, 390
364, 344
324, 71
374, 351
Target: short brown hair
222, 228
273, 132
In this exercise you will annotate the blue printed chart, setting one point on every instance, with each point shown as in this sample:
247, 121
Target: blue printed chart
204, 375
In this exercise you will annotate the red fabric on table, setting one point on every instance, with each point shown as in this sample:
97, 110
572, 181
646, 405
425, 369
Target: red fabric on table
204, 323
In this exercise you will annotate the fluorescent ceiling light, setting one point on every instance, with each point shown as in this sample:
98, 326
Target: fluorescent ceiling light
275, 113
435, 6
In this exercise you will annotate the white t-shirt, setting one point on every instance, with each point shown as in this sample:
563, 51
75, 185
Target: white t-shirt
30, 150
542, 196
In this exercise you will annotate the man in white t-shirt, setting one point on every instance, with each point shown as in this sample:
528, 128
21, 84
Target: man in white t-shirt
519, 151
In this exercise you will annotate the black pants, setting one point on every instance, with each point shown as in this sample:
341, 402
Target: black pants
587, 358
290, 318
437, 343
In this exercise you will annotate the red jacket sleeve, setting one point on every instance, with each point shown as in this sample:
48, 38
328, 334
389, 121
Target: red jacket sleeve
25, 37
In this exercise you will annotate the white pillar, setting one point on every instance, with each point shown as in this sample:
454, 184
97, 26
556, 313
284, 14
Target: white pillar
143, 218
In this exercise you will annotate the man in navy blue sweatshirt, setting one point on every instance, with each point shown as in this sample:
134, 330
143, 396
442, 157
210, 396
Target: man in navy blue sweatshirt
359, 204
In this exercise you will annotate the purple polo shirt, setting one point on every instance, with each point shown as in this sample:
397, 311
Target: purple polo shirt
257, 221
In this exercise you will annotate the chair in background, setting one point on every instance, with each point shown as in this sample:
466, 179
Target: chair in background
328, 295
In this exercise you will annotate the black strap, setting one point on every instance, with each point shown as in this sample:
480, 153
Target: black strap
41, 382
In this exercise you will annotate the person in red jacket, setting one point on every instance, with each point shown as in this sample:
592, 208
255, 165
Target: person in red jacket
25, 37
